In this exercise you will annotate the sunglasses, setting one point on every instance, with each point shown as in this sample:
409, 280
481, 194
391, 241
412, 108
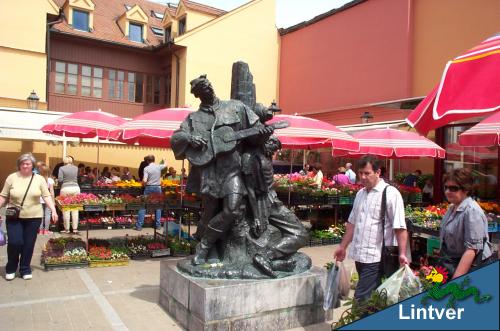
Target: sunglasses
452, 188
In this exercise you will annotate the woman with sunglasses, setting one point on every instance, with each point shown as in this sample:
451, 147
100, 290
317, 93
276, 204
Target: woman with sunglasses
464, 228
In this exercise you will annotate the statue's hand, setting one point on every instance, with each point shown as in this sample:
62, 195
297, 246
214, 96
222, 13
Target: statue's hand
266, 130
197, 142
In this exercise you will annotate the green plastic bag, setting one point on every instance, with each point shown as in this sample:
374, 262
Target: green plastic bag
401, 285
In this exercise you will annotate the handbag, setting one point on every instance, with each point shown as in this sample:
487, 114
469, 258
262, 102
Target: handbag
389, 261
12, 213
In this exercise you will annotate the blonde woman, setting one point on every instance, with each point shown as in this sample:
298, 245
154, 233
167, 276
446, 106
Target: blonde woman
68, 179
45, 172
23, 189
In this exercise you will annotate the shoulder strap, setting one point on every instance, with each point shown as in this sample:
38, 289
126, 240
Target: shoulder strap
25, 193
382, 214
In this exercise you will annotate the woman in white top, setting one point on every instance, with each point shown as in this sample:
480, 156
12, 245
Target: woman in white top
46, 173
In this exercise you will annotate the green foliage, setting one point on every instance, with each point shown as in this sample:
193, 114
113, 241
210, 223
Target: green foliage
359, 309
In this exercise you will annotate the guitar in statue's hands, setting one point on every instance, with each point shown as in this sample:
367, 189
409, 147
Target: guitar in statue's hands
224, 139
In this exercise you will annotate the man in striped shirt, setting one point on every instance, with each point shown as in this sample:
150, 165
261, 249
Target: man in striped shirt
364, 227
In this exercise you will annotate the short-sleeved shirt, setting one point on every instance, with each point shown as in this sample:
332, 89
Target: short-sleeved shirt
465, 228
366, 245
14, 189
352, 176
152, 174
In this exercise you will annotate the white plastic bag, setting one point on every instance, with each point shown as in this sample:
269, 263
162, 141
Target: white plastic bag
401, 285
332, 288
344, 281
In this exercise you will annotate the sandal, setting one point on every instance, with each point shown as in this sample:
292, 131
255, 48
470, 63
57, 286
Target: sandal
64, 231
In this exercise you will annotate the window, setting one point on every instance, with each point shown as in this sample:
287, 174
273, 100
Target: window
149, 89
156, 95
116, 84
60, 76
80, 20
72, 78
97, 82
91, 82
182, 26
111, 83
157, 31
168, 34
86, 81
138, 88
131, 87
135, 32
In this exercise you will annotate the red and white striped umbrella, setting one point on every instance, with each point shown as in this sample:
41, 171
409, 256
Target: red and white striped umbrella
154, 128
393, 143
456, 152
484, 134
309, 133
85, 124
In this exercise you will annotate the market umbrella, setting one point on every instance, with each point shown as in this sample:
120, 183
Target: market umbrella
310, 133
469, 87
394, 144
485, 133
85, 124
152, 129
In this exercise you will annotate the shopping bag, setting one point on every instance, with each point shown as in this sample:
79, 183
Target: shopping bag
3, 238
332, 288
401, 285
344, 281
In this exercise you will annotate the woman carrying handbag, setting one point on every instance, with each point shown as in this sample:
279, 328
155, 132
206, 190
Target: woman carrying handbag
22, 191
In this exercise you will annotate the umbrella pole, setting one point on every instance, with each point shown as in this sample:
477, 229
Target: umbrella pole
65, 145
391, 169
97, 175
290, 179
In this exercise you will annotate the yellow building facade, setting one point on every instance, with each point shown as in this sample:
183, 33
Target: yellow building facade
23, 57
248, 34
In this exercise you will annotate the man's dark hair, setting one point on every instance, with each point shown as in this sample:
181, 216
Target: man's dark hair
369, 159
151, 159
81, 165
317, 166
419, 172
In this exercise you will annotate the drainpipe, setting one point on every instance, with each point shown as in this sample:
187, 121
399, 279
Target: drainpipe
60, 19
177, 74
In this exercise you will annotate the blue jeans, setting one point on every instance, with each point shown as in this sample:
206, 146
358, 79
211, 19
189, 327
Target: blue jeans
22, 237
142, 212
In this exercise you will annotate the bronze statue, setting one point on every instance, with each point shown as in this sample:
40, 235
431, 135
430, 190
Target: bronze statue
230, 150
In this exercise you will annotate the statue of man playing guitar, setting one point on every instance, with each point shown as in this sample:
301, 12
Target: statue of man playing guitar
216, 160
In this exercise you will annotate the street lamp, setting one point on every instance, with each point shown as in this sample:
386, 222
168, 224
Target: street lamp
274, 108
32, 100
366, 117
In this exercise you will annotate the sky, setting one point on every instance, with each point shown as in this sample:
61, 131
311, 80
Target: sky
288, 12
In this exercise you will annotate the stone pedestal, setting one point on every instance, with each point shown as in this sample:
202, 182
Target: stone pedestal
213, 304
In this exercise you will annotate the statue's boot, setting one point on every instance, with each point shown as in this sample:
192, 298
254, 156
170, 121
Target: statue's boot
211, 235
283, 265
264, 264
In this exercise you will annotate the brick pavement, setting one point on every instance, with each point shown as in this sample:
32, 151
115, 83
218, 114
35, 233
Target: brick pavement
113, 298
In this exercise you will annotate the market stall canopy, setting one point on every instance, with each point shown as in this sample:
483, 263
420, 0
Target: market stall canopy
152, 129
391, 143
469, 87
486, 133
309, 133
85, 124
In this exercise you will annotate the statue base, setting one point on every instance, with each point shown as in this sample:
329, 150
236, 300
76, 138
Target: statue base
222, 304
